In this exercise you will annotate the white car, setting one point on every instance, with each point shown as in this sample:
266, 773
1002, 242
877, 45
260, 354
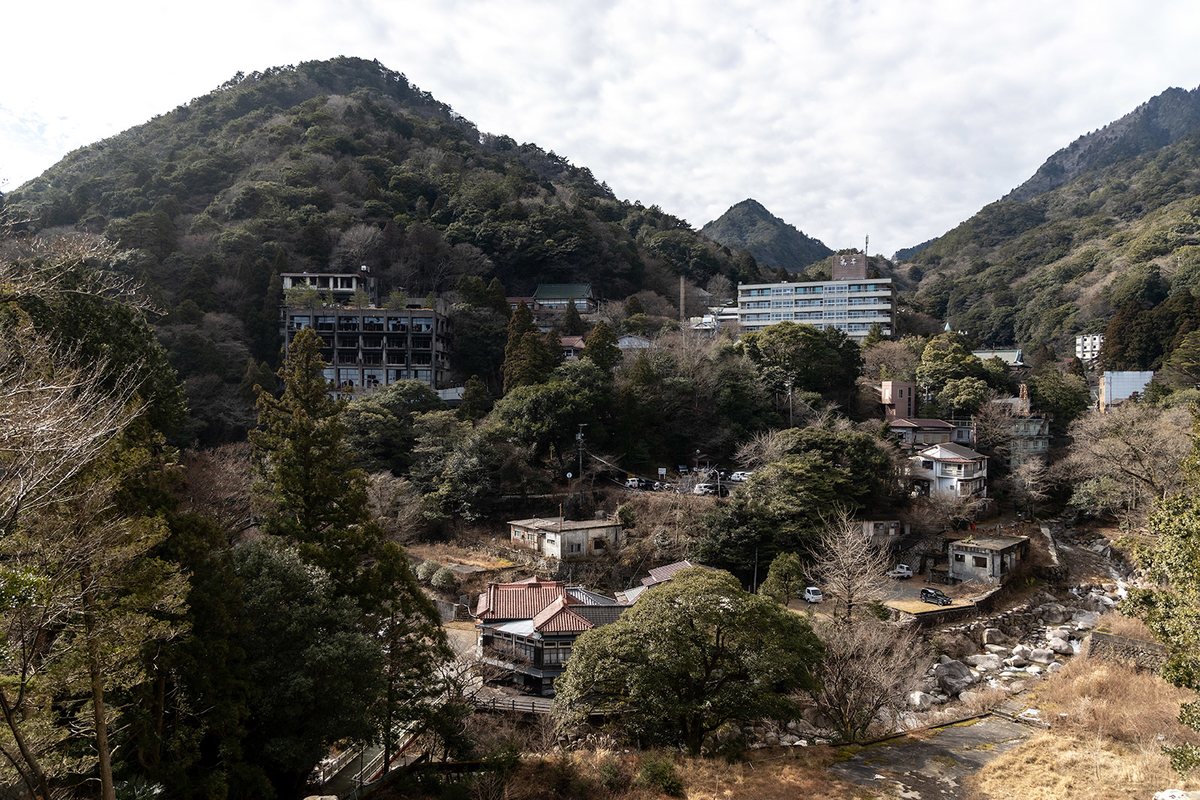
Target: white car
740, 476
813, 595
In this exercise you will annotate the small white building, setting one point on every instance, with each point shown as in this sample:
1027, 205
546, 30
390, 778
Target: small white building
565, 539
987, 560
949, 470
1087, 346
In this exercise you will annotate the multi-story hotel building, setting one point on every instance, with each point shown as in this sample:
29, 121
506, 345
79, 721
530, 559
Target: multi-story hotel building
366, 348
851, 302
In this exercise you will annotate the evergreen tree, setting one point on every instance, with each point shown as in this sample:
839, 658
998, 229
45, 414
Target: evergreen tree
476, 402
601, 347
572, 322
519, 324
316, 499
633, 306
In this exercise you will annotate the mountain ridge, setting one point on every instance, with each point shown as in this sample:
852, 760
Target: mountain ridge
749, 226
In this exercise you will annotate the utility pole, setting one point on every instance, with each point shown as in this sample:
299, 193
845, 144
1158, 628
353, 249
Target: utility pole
788, 383
579, 439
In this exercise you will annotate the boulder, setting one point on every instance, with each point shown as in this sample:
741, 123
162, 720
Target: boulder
998, 650
1052, 613
1042, 655
970, 697
1016, 662
1022, 651
984, 662
954, 676
1017, 686
1085, 620
1060, 646
919, 701
1053, 668
771, 739
994, 636
1033, 669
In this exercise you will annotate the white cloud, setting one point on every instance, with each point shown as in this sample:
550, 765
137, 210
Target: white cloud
897, 119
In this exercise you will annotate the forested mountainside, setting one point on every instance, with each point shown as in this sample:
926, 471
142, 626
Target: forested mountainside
329, 165
773, 242
1121, 229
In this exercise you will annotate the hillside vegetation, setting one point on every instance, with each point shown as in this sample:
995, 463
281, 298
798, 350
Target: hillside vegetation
1038, 271
773, 242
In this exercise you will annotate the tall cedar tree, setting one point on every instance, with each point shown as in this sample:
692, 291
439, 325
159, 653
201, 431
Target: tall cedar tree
316, 498
572, 322
601, 347
527, 358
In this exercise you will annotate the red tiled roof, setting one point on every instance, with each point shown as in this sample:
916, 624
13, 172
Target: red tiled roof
523, 600
558, 618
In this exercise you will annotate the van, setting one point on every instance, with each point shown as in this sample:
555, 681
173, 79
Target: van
813, 595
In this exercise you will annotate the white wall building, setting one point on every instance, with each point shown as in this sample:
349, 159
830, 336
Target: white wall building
1087, 346
1117, 387
852, 303
949, 469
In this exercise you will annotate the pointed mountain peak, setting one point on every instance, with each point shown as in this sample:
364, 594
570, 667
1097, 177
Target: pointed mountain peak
774, 243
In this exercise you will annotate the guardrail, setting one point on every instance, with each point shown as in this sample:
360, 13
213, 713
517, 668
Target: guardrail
521, 705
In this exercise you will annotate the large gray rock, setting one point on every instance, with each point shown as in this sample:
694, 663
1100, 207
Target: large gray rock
998, 650
1060, 646
1052, 613
1055, 667
919, 701
1022, 651
994, 636
953, 676
1016, 662
984, 662
1042, 655
1086, 620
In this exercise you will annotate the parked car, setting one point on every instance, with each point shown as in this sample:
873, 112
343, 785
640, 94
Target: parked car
663, 486
900, 572
705, 489
813, 595
738, 477
637, 483
935, 596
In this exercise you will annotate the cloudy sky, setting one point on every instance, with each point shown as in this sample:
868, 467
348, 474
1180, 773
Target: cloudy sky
846, 118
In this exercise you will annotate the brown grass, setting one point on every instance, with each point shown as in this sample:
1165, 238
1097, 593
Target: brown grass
1129, 627
453, 554
1106, 723
767, 775
1056, 766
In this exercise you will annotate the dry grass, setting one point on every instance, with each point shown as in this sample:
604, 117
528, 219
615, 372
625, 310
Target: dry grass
1129, 627
1055, 766
604, 774
453, 554
1108, 724
1115, 700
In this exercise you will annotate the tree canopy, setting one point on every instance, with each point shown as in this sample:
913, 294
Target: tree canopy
691, 655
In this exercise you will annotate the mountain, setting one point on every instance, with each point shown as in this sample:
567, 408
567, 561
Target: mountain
329, 165
1160, 121
773, 242
1112, 220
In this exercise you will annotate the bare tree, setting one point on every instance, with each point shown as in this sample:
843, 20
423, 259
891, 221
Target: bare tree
217, 484
869, 668
1135, 449
396, 506
850, 568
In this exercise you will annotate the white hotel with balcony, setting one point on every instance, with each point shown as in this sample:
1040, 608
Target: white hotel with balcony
850, 302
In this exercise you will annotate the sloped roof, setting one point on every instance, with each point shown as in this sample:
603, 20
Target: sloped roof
600, 615
948, 451
559, 618
589, 598
555, 525
906, 422
667, 572
557, 291
523, 600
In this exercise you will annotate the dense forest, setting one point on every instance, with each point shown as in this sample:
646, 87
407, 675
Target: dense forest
1109, 223
328, 166
773, 243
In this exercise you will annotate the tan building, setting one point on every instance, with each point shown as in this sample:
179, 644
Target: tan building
565, 539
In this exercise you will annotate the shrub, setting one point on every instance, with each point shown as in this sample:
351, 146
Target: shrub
658, 772
444, 579
427, 570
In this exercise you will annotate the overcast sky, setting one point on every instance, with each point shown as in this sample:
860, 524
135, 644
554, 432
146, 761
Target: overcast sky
890, 118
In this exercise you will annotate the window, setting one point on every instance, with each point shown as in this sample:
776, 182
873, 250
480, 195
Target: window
300, 322
422, 324
397, 324
347, 323
575, 548
959, 558
981, 562
372, 323
325, 323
